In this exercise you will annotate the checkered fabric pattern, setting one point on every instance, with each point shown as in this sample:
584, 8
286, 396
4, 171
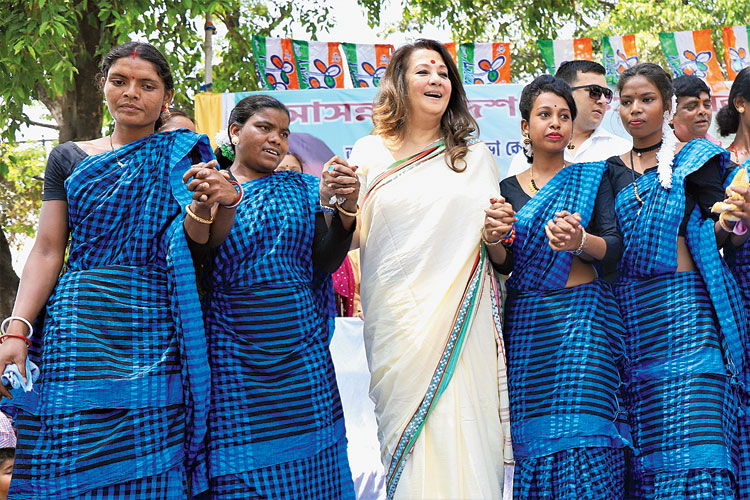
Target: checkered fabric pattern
324, 476
269, 322
122, 354
563, 348
535, 265
7, 433
169, 485
685, 341
575, 474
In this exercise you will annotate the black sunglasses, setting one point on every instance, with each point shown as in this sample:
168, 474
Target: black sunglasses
596, 92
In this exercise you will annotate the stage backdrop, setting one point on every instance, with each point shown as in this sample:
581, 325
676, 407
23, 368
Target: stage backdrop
336, 118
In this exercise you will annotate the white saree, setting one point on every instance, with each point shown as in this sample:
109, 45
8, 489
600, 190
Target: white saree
432, 311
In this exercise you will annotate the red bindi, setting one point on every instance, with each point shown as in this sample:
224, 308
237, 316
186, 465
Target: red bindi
432, 62
133, 54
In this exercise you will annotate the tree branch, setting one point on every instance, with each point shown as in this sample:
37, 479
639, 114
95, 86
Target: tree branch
48, 125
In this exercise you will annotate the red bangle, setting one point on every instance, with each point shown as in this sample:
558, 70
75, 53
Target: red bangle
240, 194
14, 336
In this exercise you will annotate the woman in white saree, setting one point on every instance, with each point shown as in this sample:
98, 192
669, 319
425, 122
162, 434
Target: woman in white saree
431, 301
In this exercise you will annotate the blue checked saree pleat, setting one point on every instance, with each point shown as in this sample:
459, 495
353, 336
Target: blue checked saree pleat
269, 323
563, 346
738, 260
684, 341
124, 374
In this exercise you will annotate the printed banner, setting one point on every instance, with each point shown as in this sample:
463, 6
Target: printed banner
319, 64
367, 62
484, 63
327, 122
619, 53
275, 63
452, 48
736, 49
556, 52
692, 53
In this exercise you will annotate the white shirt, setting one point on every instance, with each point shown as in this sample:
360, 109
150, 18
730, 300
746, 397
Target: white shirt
598, 147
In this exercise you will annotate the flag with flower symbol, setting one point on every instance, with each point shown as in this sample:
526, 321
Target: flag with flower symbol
736, 49
319, 64
452, 48
692, 53
556, 52
620, 53
367, 62
484, 63
275, 63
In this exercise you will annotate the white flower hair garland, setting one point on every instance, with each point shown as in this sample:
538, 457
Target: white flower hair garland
222, 139
666, 154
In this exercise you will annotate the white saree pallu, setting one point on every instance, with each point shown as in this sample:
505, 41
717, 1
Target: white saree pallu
432, 308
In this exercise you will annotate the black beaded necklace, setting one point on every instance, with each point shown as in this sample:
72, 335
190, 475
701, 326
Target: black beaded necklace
640, 151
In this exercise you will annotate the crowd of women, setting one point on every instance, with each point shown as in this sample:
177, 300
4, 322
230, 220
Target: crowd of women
183, 349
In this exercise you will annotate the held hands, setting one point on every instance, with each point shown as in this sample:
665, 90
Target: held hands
339, 180
565, 232
498, 220
209, 186
742, 212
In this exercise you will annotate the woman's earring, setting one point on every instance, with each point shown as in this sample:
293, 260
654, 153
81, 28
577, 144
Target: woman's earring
235, 140
526, 139
571, 145
741, 109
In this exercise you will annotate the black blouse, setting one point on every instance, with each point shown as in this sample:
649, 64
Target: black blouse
603, 222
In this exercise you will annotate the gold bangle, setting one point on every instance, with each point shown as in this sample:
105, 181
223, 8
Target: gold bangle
350, 214
196, 218
490, 243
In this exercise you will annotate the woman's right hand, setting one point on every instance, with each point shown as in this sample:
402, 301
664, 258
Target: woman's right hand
338, 179
498, 220
12, 351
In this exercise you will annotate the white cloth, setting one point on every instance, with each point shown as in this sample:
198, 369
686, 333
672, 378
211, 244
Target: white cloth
419, 239
598, 147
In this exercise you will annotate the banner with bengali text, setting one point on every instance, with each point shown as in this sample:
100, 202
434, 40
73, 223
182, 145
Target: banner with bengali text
338, 117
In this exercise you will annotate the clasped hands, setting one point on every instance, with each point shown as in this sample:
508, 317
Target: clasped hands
340, 183
209, 185
565, 232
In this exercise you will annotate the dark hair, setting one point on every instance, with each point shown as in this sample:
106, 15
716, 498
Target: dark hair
540, 85
653, 73
298, 158
689, 86
7, 454
389, 115
569, 70
145, 51
174, 112
241, 113
728, 118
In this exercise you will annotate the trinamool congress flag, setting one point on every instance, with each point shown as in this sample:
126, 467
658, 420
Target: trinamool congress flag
367, 62
275, 63
620, 53
484, 63
692, 53
319, 64
453, 50
556, 52
736, 49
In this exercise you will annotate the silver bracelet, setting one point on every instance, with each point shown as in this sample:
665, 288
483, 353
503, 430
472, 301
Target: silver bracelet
6, 322
578, 251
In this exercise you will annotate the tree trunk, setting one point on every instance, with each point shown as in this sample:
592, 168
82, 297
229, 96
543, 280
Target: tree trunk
8, 278
78, 111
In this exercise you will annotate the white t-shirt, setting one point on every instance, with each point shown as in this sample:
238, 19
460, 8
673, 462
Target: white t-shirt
598, 147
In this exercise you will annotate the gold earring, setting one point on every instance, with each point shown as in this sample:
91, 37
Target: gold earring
571, 145
741, 109
235, 140
526, 138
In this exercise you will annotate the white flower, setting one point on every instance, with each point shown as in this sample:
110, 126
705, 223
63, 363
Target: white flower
222, 137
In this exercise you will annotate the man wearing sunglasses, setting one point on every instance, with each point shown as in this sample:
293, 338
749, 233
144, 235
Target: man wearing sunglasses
590, 141
692, 117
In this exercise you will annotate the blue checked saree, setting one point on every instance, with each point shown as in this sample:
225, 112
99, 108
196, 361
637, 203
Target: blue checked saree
738, 260
563, 346
684, 343
276, 420
120, 408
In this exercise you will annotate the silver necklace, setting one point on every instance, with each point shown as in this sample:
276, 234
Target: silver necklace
121, 164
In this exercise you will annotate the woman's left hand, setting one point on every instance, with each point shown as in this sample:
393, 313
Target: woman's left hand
339, 179
564, 232
209, 186
743, 206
